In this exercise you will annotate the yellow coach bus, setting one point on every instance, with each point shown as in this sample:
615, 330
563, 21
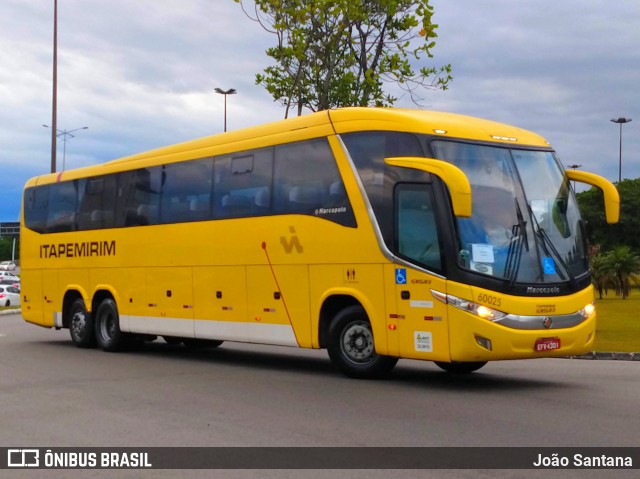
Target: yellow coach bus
377, 234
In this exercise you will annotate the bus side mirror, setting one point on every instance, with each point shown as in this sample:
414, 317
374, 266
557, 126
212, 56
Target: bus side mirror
611, 195
453, 177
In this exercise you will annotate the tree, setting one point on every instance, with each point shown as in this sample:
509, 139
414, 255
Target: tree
620, 264
333, 53
7, 248
625, 232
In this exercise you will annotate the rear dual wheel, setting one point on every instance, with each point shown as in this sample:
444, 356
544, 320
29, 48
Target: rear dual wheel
107, 327
81, 325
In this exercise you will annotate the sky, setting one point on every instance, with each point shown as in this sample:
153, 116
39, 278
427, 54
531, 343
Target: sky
141, 74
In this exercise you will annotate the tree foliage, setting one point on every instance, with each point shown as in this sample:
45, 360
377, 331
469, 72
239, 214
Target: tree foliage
333, 53
626, 231
615, 262
7, 248
615, 269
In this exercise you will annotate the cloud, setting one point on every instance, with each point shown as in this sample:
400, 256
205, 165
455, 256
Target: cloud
562, 69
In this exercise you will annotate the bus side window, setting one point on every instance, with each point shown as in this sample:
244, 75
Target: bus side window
242, 184
305, 198
307, 181
142, 203
262, 201
337, 194
182, 183
63, 201
416, 229
36, 206
97, 204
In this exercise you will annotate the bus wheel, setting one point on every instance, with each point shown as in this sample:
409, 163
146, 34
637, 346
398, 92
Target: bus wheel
81, 325
108, 334
460, 368
351, 347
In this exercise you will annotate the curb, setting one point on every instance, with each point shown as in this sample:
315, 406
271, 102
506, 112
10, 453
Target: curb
610, 356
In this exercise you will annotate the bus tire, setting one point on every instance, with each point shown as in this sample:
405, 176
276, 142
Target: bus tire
351, 346
107, 325
460, 368
81, 327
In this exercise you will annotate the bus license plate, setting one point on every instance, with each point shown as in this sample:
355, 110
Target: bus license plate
547, 344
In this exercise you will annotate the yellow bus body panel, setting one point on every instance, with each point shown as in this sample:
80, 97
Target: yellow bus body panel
266, 279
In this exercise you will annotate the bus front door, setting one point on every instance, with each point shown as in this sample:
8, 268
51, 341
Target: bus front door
421, 320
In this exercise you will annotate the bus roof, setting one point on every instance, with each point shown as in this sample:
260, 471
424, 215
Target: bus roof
451, 125
318, 124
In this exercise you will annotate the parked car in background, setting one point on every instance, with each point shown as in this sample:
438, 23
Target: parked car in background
9, 296
7, 266
9, 275
10, 282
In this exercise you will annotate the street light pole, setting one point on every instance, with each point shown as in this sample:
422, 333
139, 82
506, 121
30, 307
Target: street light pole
621, 121
55, 87
230, 91
65, 135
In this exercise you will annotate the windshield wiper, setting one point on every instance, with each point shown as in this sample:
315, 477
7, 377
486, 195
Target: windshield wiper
512, 265
545, 242
514, 254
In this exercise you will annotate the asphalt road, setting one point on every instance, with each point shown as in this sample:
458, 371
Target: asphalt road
55, 395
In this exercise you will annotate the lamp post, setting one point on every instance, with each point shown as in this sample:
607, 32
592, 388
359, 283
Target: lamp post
65, 135
620, 121
230, 91
54, 100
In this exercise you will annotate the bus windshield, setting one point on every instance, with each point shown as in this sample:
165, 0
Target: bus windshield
525, 225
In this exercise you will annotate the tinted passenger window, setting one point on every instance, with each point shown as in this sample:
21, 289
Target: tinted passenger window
304, 180
308, 182
97, 203
186, 191
143, 200
36, 203
63, 200
243, 184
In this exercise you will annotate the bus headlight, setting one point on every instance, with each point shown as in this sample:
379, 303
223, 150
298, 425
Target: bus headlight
480, 310
588, 310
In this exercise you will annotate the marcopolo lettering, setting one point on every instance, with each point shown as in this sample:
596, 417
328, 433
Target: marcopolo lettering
78, 250
543, 290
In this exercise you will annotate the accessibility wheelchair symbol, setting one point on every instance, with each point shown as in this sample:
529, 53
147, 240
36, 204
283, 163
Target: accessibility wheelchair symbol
401, 276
